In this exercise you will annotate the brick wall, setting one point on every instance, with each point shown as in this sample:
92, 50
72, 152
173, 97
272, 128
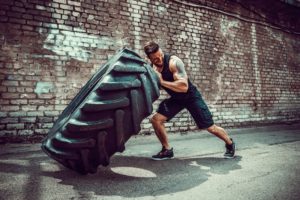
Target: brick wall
244, 58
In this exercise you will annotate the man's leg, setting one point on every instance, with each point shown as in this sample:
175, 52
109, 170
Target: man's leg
203, 118
167, 109
220, 133
158, 121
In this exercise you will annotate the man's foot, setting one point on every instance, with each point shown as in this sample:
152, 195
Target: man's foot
230, 150
164, 154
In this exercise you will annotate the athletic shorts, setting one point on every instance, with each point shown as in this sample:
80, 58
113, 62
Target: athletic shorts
195, 105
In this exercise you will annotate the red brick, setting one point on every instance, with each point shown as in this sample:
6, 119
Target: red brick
33, 23
18, 114
27, 16
46, 96
25, 132
28, 96
17, 21
19, 101
9, 108
8, 132
3, 89
3, 114
41, 131
8, 120
14, 126
34, 113
27, 28
10, 83
27, 83
10, 95
2, 13
66, 7
18, 9
28, 119
36, 102
45, 119
28, 108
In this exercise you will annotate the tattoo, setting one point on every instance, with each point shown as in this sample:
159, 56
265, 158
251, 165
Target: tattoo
179, 66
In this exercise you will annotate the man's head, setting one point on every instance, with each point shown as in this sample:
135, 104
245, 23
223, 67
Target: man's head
154, 53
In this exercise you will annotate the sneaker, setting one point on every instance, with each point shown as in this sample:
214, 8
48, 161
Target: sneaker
230, 150
164, 154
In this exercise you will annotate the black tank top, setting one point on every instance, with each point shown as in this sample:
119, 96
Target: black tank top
168, 76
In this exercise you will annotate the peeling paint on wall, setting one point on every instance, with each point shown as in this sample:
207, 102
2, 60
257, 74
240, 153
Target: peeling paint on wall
228, 27
228, 30
43, 87
275, 34
161, 8
254, 51
74, 42
77, 45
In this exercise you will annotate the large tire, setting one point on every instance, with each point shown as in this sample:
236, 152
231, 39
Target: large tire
106, 112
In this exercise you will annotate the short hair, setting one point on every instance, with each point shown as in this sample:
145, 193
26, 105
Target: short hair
151, 47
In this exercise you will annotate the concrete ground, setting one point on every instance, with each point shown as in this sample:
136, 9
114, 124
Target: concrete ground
267, 166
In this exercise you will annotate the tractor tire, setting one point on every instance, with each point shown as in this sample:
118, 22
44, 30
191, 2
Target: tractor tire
106, 112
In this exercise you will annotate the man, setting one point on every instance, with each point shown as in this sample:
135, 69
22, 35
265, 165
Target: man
173, 78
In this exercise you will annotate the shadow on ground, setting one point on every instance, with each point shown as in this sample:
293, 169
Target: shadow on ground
125, 176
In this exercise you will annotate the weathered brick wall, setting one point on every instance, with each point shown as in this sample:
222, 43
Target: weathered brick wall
248, 71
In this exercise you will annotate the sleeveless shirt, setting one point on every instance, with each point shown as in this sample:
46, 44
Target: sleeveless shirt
168, 76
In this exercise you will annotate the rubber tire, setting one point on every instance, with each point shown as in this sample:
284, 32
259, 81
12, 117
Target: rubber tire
106, 112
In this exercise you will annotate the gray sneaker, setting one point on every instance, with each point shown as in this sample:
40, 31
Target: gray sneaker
230, 150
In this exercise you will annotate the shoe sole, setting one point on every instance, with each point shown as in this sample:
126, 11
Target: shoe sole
159, 159
229, 157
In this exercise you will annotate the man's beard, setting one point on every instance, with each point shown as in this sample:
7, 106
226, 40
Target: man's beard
159, 65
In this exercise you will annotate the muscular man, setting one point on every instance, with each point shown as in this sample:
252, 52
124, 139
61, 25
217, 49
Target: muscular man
183, 94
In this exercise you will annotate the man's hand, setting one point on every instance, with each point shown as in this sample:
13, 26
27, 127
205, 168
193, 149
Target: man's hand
158, 74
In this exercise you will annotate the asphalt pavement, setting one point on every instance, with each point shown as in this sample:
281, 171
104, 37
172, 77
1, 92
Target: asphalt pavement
266, 167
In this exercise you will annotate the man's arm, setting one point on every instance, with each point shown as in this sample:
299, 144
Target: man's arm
180, 83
